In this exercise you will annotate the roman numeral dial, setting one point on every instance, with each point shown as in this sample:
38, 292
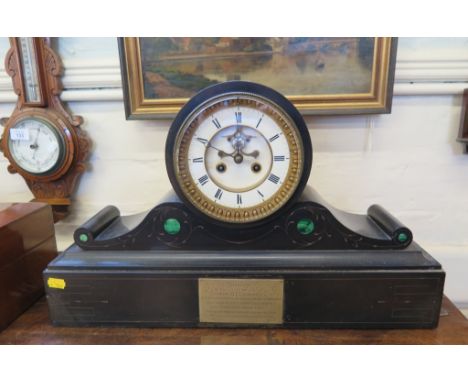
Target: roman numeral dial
238, 158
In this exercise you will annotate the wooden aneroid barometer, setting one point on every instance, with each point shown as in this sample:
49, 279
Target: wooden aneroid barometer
42, 140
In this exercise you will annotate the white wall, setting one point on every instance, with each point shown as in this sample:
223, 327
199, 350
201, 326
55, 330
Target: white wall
408, 161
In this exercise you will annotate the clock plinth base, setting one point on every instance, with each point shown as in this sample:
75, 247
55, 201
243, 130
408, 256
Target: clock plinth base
313, 266
290, 289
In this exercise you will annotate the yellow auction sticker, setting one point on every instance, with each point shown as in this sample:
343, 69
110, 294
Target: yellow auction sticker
56, 283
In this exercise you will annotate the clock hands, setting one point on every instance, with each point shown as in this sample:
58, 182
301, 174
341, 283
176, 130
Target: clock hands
238, 141
237, 154
35, 146
37, 137
221, 153
253, 154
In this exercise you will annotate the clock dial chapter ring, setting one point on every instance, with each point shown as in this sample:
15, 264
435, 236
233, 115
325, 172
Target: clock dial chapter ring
238, 146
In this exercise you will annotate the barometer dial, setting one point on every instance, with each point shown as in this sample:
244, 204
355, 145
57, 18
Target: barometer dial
238, 156
36, 146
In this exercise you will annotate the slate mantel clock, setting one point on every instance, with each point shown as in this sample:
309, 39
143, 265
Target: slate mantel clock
42, 141
241, 240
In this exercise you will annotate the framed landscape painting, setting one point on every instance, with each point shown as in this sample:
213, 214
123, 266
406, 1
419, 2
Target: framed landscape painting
320, 75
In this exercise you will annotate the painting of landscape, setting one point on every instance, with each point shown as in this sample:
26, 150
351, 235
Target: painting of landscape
178, 67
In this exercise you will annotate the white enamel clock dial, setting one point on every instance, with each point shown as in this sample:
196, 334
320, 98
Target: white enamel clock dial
35, 146
239, 158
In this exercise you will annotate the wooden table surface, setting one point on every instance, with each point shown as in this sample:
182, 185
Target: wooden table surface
33, 327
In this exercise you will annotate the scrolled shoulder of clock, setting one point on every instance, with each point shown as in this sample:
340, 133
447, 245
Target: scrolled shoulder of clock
238, 153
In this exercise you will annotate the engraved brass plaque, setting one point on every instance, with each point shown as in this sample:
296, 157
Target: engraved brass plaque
241, 301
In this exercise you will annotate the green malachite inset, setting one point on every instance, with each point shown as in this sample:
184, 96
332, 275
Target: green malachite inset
402, 237
172, 226
84, 237
305, 226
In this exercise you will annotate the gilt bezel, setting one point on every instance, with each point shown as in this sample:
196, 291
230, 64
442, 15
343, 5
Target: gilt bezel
247, 94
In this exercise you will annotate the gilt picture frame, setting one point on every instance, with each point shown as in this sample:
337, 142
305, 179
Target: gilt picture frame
326, 75
463, 130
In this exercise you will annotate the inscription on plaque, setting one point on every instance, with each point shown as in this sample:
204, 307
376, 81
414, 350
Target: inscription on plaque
241, 301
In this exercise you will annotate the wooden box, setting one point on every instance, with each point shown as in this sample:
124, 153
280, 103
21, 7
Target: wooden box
27, 245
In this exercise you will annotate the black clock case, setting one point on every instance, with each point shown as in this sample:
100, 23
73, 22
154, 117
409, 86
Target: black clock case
352, 272
322, 289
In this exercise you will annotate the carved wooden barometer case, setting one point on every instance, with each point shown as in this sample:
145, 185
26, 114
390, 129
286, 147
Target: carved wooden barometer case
42, 141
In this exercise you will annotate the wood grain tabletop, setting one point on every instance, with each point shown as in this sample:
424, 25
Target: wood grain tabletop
33, 327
